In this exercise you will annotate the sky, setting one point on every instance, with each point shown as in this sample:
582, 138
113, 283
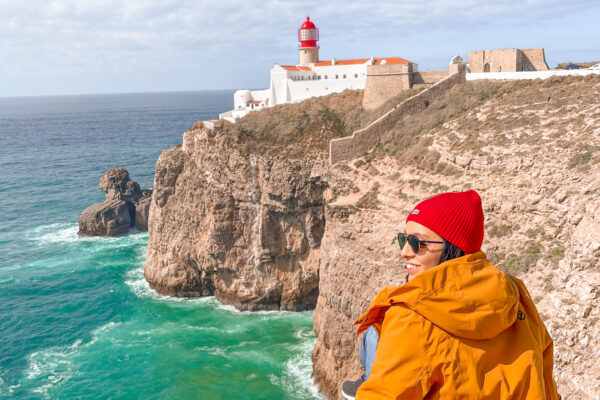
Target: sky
114, 46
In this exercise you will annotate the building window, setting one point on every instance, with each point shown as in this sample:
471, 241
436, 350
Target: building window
356, 75
344, 76
336, 77
319, 78
325, 76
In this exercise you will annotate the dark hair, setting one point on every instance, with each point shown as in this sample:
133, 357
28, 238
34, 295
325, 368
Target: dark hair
450, 252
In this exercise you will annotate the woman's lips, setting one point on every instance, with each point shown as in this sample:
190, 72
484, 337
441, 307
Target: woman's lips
411, 268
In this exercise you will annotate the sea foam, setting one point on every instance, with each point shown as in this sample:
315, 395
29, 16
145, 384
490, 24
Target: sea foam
297, 373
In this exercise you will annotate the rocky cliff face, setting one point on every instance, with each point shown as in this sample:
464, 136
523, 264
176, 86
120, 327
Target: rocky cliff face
536, 164
244, 227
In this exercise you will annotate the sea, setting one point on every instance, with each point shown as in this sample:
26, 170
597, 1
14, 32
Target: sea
77, 318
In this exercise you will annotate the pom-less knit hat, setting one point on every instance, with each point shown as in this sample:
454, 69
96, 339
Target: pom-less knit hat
457, 217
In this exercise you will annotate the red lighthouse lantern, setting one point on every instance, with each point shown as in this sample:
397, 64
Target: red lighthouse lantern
308, 34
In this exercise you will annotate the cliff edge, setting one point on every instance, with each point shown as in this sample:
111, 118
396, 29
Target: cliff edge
238, 212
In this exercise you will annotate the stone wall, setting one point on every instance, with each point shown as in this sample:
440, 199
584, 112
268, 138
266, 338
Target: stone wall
535, 59
384, 82
427, 79
507, 60
363, 140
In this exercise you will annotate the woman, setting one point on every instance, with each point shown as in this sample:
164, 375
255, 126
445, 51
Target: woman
458, 328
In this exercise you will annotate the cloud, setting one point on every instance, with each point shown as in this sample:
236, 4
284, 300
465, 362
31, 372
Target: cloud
61, 38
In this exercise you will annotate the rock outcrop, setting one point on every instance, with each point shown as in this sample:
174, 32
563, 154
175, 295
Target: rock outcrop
125, 206
244, 227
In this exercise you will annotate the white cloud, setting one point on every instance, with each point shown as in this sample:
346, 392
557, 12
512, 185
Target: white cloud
41, 39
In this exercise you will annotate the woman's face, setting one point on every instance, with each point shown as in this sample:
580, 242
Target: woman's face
429, 254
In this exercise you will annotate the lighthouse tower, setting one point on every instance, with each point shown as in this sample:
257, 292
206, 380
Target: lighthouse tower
308, 34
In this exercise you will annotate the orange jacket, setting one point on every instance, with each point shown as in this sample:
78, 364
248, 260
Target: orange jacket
461, 330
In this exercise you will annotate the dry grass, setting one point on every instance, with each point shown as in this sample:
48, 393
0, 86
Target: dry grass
507, 112
305, 129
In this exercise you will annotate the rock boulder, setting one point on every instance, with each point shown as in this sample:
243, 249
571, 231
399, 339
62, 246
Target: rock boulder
125, 206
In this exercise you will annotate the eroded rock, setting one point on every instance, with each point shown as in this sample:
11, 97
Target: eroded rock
245, 228
125, 206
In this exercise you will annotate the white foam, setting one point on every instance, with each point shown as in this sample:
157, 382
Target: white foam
54, 233
67, 233
139, 286
215, 351
296, 378
233, 310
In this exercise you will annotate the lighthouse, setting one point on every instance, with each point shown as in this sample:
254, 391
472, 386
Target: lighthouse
308, 34
313, 77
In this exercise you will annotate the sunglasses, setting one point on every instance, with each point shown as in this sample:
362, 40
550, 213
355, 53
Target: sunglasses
414, 242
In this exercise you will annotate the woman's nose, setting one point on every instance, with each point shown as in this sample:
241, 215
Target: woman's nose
407, 251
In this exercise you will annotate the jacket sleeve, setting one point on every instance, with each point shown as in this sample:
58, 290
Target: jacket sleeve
400, 370
548, 360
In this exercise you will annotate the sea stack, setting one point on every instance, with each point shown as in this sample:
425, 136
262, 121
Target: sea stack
126, 205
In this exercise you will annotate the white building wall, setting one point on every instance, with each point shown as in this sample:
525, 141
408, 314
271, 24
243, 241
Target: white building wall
240, 98
294, 86
472, 76
302, 90
279, 88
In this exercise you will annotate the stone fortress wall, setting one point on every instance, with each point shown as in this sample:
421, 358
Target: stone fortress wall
507, 60
363, 140
386, 81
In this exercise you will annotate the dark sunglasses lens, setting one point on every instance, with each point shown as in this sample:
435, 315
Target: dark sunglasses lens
401, 240
414, 243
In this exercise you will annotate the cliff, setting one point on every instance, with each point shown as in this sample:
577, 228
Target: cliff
532, 150
232, 217
253, 214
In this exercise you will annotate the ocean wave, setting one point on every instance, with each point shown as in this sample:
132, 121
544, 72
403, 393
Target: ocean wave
62, 232
296, 378
269, 314
53, 367
215, 351
54, 233
136, 282
50, 368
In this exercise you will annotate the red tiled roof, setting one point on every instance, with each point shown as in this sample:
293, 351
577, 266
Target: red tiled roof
253, 102
295, 68
378, 61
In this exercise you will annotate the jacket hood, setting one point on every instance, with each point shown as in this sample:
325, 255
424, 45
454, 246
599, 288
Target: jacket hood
467, 297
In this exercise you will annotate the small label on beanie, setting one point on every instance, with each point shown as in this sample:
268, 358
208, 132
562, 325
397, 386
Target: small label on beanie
415, 211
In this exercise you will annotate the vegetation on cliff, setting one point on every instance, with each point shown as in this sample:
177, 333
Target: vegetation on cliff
305, 129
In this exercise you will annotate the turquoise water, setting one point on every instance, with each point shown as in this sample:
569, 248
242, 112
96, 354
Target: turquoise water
77, 319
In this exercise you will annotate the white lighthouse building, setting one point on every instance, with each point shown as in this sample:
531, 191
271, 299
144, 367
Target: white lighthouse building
309, 78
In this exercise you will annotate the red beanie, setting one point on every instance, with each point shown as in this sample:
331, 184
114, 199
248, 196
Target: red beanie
457, 217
